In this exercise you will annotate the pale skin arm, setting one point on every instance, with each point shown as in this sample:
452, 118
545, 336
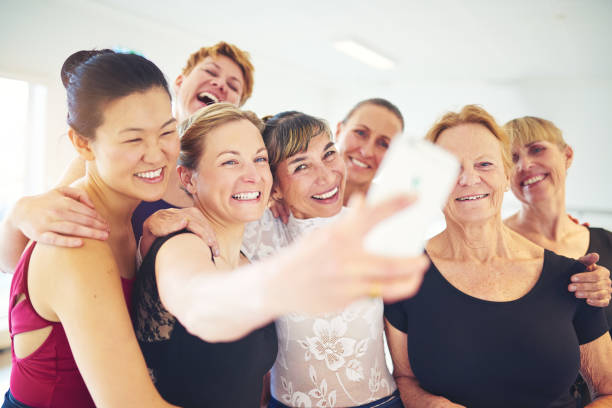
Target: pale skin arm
411, 393
324, 271
58, 217
596, 369
92, 310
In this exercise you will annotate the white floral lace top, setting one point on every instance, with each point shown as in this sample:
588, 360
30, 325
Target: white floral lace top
328, 360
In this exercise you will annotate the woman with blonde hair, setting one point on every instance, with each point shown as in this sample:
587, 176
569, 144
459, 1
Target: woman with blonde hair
517, 337
541, 159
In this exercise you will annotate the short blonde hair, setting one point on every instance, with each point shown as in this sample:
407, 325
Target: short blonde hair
194, 130
473, 114
529, 129
240, 57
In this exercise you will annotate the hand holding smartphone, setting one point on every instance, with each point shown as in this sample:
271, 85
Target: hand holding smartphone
417, 167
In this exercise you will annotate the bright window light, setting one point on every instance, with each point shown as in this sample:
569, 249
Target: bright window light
364, 54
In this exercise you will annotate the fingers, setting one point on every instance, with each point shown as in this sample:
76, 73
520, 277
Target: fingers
599, 273
51, 238
82, 209
72, 229
77, 194
589, 259
369, 216
284, 213
83, 219
279, 210
206, 234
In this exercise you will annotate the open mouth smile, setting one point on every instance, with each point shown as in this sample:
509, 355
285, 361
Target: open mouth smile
326, 195
247, 196
207, 98
472, 197
359, 163
151, 175
533, 180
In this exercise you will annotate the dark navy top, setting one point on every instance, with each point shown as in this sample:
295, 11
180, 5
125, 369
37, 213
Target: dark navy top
144, 210
478, 353
187, 370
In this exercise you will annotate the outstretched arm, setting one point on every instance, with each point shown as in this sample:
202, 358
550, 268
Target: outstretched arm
323, 271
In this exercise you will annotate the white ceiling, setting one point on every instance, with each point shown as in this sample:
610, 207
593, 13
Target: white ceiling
438, 39
550, 58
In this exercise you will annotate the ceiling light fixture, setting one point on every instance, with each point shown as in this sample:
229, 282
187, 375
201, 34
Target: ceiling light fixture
364, 54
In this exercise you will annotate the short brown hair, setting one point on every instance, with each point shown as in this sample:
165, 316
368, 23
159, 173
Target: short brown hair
473, 114
193, 131
529, 129
240, 57
289, 133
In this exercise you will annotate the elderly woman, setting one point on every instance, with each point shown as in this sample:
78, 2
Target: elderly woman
492, 325
541, 159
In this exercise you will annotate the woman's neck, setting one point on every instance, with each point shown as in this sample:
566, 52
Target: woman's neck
174, 194
352, 188
479, 241
112, 206
547, 218
229, 237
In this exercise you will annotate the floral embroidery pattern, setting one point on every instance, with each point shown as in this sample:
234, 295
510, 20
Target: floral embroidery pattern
329, 343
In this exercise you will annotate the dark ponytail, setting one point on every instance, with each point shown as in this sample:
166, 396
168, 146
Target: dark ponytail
93, 78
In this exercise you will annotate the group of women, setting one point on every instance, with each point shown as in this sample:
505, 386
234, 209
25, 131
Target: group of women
250, 262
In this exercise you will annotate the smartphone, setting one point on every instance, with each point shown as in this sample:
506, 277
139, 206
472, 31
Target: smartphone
411, 166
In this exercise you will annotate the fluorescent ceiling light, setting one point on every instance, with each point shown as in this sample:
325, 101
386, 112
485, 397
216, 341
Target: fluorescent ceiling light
364, 54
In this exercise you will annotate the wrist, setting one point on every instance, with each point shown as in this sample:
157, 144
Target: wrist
14, 218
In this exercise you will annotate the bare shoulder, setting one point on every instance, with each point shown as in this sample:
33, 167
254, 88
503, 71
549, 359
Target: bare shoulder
55, 271
58, 277
183, 251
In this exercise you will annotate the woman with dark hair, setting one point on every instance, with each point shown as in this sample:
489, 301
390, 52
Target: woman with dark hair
219, 73
72, 340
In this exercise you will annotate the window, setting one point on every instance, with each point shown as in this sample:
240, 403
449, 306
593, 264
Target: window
22, 115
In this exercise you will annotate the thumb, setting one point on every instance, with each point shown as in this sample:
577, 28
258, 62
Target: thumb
589, 259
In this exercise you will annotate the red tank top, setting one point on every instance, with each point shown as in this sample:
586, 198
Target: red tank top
48, 377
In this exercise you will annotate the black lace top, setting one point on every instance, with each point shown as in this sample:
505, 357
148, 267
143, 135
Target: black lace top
187, 370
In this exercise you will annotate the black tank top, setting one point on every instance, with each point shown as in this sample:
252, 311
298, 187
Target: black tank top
187, 370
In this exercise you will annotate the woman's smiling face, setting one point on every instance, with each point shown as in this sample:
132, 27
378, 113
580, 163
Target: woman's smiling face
311, 183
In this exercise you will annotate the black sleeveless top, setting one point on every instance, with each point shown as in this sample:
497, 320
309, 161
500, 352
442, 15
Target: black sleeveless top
187, 370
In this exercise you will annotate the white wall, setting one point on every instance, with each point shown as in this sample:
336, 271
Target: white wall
37, 35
